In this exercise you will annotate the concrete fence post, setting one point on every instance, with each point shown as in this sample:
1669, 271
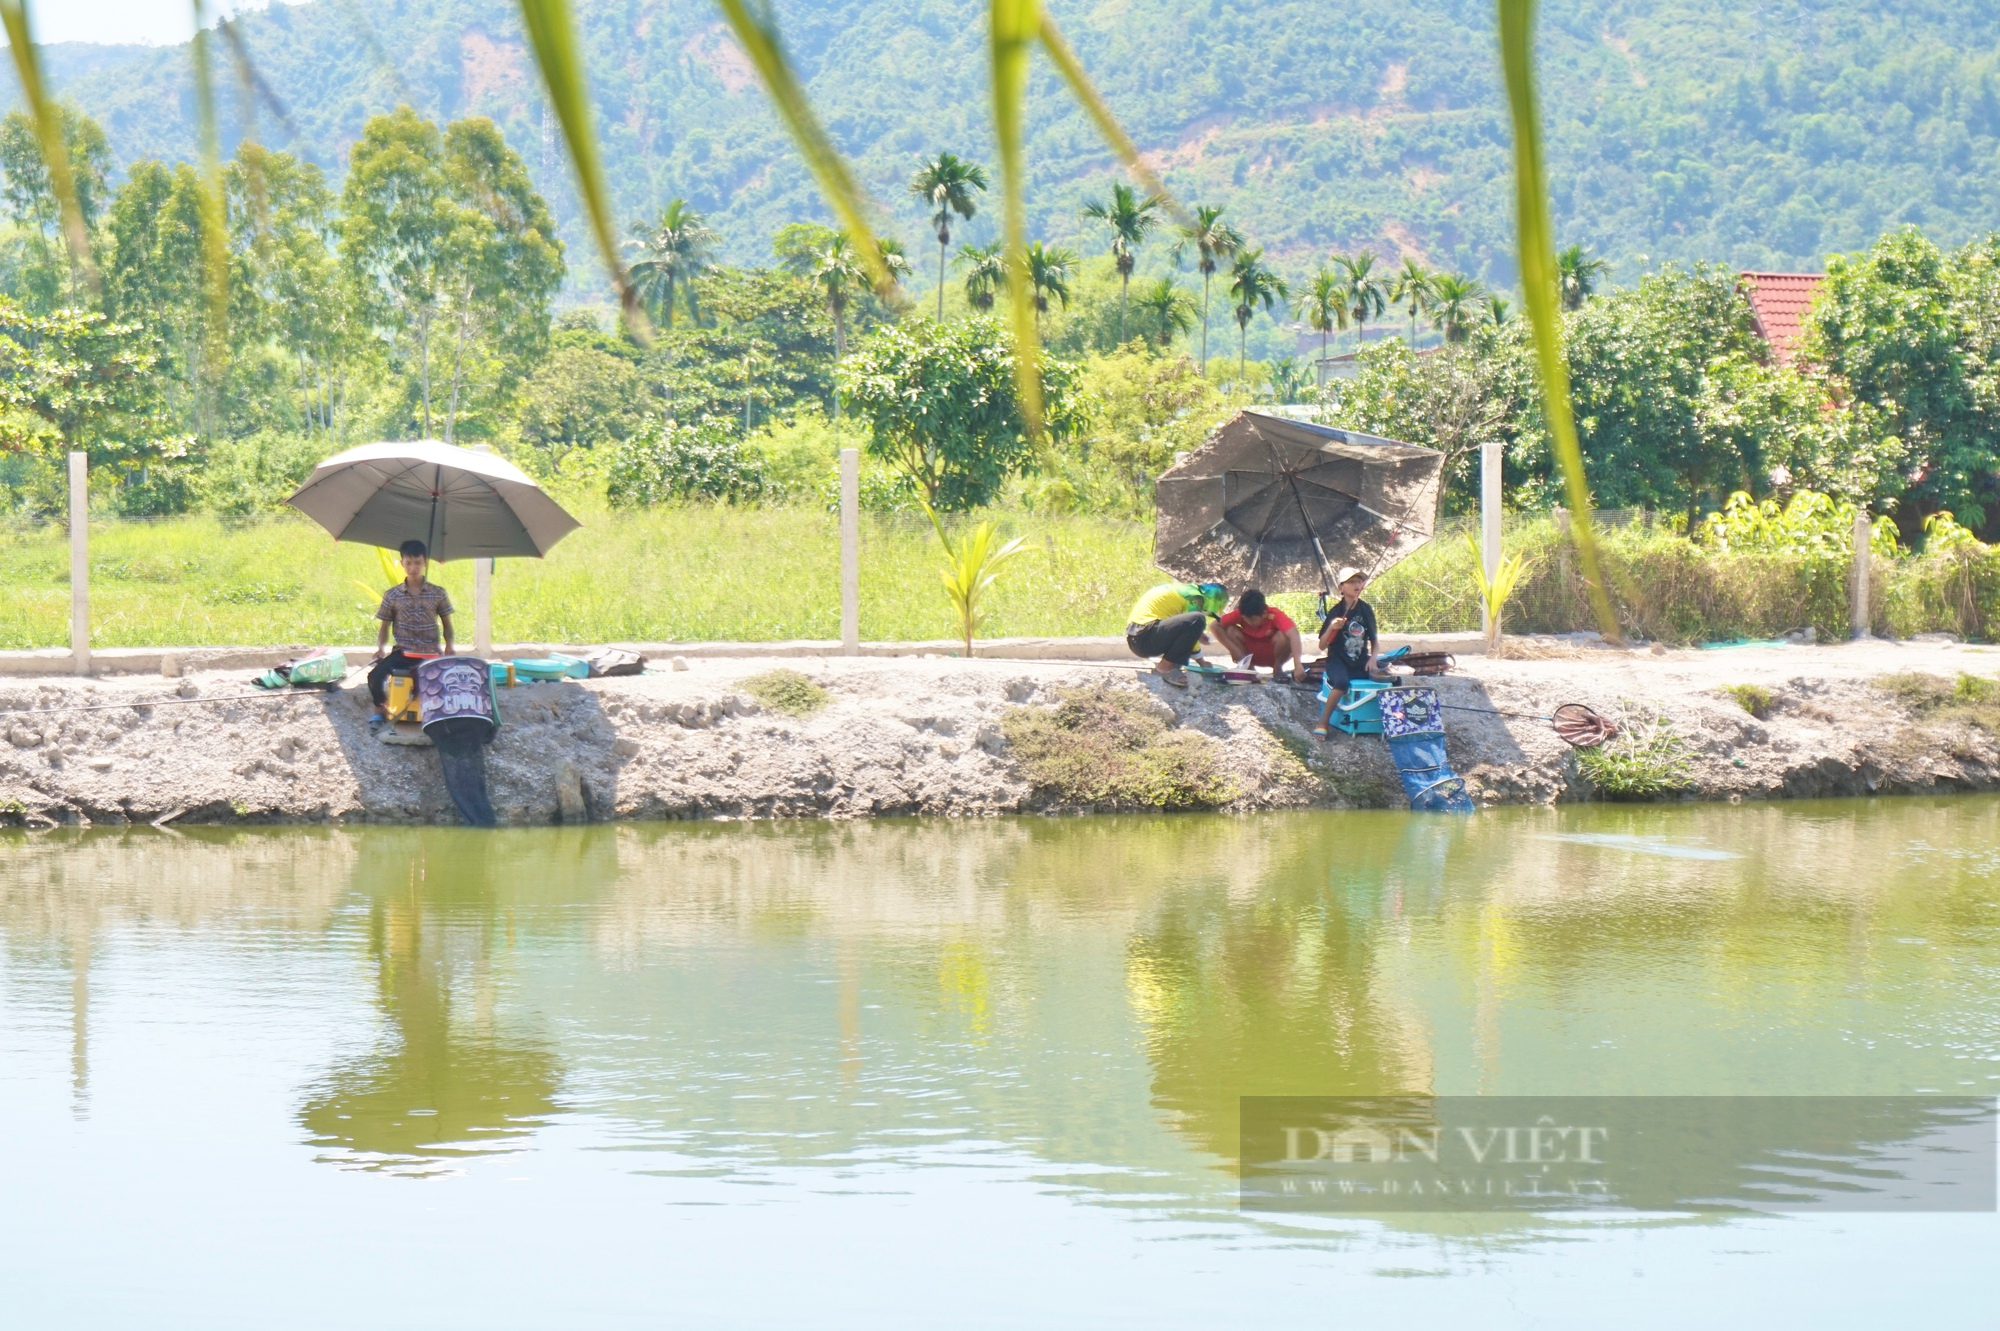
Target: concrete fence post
1857, 585
79, 561
850, 552
1489, 523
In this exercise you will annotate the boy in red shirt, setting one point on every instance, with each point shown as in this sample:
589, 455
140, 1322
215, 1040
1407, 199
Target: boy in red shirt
1261, 632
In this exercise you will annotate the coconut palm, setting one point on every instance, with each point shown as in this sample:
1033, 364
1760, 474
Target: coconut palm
1411, 290
1169, 309
1361, 291
1499, 311
838, 273
672, 252
1577, 275
985, 273
1323, 308
1050, 271
1130, 218
1212, 240
1456, 304
1252, 283
894, 259
948, 185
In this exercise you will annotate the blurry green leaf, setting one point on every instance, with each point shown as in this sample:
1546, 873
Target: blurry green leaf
1107, 124
214, 225
28, 68
553, 36
1538, 291
758, 35
1015, 27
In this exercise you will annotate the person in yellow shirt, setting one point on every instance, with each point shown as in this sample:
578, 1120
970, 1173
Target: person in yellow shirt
1169, 622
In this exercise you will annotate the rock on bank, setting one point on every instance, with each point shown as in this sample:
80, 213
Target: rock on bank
930, 736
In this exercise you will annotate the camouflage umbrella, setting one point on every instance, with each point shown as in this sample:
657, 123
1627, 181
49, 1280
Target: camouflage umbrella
1279, 504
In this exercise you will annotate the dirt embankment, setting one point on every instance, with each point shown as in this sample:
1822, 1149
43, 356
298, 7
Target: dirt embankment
940, 736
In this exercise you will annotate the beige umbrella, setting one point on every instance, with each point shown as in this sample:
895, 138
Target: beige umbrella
460, 503
1280, 504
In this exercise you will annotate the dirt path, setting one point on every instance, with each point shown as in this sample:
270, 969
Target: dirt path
928, 736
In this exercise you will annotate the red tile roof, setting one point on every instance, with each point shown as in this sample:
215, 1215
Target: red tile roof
1778, 303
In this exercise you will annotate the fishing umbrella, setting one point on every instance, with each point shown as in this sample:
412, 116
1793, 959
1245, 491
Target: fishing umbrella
1279, 504
460, 503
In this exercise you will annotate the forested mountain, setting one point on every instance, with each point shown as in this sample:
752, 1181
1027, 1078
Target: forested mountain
1759, 135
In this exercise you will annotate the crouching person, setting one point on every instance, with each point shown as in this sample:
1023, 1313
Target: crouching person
1260, 631
416, 608
1169, 621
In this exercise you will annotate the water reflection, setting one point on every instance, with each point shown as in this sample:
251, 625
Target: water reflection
455, 1073
1093, 995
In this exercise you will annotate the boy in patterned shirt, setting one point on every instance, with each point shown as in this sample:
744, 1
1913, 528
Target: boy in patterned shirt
415, 607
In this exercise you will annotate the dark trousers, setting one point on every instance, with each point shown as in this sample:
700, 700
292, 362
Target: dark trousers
378, 674
1173, 637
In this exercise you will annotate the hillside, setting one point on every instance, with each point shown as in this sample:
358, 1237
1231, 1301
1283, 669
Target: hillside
1691, 129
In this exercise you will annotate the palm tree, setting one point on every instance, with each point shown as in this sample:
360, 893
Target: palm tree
1050, 272
838, 273
1456, 301
1212, 241
1323, 309
948, 184
672, 251
1576, 276
1290, 380
1411, 289
1170, 309
1251, 283
985, 273
1130, 218
1361, 291
1498, 310
893, 258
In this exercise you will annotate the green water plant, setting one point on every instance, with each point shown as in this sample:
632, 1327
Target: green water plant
787, 691
1494, 591
1752, 698
972, 565
1647, 761
1113, 748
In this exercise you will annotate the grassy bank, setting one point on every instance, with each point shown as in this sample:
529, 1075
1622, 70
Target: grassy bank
688, 574
750, 574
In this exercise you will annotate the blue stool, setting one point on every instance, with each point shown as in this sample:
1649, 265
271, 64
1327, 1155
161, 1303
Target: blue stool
1359, 711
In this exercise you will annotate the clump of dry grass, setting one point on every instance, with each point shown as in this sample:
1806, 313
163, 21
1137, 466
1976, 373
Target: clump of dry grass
1972, 699
1112, 748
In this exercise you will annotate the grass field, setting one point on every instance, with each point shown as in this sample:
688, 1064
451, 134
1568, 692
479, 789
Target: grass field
698, 573
759, 574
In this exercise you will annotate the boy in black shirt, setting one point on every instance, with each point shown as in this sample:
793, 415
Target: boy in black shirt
1348, 639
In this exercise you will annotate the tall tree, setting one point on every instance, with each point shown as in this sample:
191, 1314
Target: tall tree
1130, 219
672, 250
1323, 307
1252, 283
283, 228
985, 273
1362, 290
503, 260
1577, 275
1457, 302
155, 278
947, 185
1499, 310
1050, 272
1411, 290
397, 215
30, 199
1212, 241
1169, 309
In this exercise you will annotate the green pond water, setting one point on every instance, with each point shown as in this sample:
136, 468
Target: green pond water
957, 1074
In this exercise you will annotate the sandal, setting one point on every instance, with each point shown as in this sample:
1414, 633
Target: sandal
1321, 732
1176, 677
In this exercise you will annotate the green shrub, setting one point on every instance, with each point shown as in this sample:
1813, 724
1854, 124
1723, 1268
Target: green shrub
671, 460
786, 691
1647, 761
1116, 748
1753, 698
1973, 699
